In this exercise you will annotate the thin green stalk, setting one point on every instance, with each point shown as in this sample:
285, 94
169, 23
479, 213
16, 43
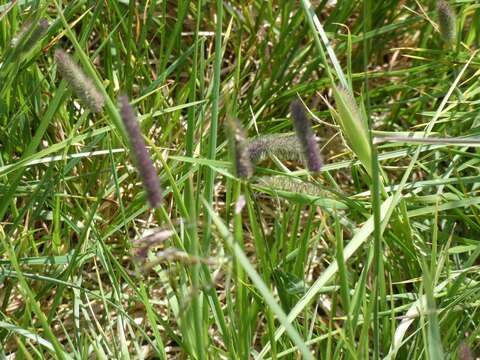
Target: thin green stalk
259, 284
110, 106
6, 240
434, 340
172, 37
343, 273
15, 178
241, 291
212, 146
376, 200
317, 30
197, 299
191, 125
129, 44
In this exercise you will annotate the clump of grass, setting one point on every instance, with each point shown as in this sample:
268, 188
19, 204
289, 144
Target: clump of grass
243, 165
34, 35
447, 21
143, 161
353, 125
251, 234
303, 128
285, 147
80, 83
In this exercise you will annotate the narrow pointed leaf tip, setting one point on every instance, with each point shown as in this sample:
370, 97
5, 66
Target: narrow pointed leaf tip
80, 83
143, 162
303, 128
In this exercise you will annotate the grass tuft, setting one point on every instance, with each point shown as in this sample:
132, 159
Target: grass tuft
376, 258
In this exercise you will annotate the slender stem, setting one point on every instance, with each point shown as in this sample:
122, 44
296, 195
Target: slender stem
195, 274
376, 201
212, 148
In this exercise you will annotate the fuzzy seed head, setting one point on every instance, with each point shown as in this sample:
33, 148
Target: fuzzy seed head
244, 168
284, 183
143, 162
303, 128
35, 35
285, 147
80, 83
144, 244
464, 352
447, 21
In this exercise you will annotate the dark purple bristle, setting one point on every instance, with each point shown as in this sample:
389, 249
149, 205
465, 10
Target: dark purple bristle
303, 128
143, 161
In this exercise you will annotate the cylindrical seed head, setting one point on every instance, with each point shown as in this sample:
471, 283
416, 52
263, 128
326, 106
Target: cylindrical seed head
303, 128
285, 147
143, 161
35, 34
81, 85
243, 165
464, 352
447, 21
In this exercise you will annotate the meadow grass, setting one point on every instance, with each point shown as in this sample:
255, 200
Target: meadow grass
253, 257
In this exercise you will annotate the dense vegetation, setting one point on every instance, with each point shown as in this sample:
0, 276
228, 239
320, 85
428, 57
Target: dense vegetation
249, 251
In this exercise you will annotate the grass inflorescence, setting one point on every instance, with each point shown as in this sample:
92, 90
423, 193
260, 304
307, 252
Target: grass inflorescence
288, 184
80, 83
447, 21
143, 162
243, 164
29, 35
283, 146
306, 137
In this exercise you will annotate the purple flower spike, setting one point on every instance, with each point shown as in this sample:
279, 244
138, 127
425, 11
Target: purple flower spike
303, 128
144, 163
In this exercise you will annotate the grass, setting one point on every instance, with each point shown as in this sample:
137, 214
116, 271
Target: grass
375, 256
